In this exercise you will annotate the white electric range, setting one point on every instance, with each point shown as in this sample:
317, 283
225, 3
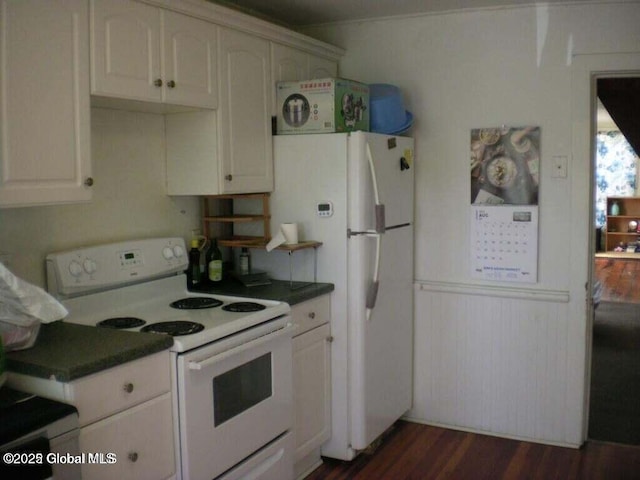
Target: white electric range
231, 356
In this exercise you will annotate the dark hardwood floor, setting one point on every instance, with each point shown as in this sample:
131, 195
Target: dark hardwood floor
419, 452
620, 279
413, 451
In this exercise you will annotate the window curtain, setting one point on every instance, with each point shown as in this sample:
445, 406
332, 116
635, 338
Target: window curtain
616, 171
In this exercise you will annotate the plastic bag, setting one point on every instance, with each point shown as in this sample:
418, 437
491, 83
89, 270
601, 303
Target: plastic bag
23, 307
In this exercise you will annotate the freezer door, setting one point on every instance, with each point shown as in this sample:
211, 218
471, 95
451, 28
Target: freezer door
392, 174
381, 346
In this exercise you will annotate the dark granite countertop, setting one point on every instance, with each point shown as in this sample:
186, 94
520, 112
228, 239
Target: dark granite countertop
279, 290
66, 351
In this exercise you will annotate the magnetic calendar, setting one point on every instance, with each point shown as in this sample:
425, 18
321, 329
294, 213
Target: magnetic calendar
504, 243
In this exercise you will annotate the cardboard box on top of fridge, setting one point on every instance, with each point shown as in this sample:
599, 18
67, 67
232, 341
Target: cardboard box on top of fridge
324, 105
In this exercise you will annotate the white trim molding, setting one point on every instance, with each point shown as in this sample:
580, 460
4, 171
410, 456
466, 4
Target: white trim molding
557, 296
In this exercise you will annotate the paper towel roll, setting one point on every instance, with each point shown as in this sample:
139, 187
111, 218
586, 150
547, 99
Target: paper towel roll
290, 231
287, 234
276, 241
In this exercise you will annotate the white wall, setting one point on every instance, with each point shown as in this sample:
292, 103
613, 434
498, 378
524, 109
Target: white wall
493, 357
129, 199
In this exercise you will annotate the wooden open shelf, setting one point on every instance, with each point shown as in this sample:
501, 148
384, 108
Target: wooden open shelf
618, 225
225, 214
235, 218
220, 209
259, 243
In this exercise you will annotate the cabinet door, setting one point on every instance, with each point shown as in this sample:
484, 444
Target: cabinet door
312, 313
116, 389
312, 389
287, 65
141, 439
245, 113
44, 94
322, 68
189, 67
125, 50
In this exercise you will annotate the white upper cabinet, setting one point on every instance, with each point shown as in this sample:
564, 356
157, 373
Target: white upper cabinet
189, 68
125, 50
289, 64
140, 52
228, 150
246, 93
44, 102
320, 67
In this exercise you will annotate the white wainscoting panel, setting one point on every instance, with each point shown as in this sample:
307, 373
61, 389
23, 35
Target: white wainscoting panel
492, 363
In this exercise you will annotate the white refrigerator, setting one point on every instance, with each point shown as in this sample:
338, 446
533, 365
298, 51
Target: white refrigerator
354, 193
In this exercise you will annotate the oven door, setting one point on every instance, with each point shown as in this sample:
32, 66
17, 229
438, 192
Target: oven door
235, 396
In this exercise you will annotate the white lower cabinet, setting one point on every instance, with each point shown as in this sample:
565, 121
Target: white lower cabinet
125, 417
311, 381
127, 411
140, 439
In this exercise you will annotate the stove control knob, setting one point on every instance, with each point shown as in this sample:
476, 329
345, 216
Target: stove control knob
89, 266
178, 251
167, 253
75, 269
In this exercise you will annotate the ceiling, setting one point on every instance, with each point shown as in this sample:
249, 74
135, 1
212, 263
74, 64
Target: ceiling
299, 13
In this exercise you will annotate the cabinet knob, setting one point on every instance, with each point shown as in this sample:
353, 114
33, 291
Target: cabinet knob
312, 315
171, 84
158, 82
133, 456
228, 177
128, 387
89, 182
330, 339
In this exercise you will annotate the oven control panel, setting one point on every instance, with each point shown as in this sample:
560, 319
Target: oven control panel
104, 266
130, 258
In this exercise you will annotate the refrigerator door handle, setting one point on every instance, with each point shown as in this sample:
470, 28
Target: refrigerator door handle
379, 207
372, 291
380, 219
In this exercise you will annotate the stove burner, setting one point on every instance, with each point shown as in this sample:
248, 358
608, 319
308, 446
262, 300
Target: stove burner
121, 322
243, 307
195, 303
175, 328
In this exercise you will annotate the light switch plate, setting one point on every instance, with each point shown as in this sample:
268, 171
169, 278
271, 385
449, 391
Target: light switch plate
559, 166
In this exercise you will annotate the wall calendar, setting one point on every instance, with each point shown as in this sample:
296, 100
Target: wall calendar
504, 203
504, 243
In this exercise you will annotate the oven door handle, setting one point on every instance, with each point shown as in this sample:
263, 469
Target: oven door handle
217, 357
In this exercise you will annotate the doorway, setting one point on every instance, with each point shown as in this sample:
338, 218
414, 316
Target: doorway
614, 404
